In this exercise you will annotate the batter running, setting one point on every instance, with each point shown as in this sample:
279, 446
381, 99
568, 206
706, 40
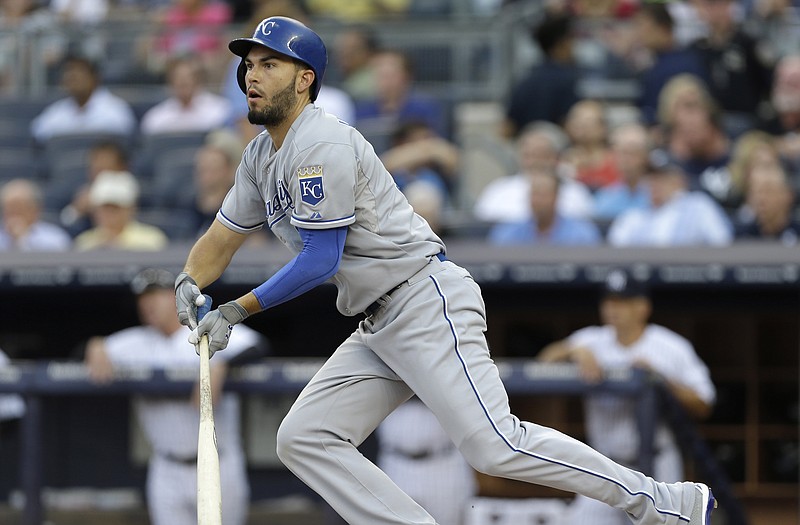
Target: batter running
317, 184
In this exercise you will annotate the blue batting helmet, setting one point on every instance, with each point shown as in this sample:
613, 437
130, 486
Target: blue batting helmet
289, 37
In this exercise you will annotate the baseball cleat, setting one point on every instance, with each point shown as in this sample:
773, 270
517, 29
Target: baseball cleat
704, 505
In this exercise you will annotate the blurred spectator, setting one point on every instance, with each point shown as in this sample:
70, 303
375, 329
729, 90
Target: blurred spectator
113, 197
80, 12
190, 107
12, 406
336, 102
785, 122
354, 48
754, 149
773, 24
397, 100
192, 26
539, 147
429, 203
603, 8
588, 153
655, 29
626, 340
546, 225
357, 10
771, 199
630, 146
214, 172
687, 24
418, 153
676, 217
739, 73
22, 227
694, 138
21, 20
419, 456
88, 108
170, 424
548, 91
106, 155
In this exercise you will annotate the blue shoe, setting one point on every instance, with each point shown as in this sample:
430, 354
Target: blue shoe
704, 505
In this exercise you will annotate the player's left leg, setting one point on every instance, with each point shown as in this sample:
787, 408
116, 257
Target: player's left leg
446, 362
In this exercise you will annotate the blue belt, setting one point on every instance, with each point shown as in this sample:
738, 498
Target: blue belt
371, 309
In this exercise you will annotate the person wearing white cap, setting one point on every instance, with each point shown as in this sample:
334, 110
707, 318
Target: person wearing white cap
113, 197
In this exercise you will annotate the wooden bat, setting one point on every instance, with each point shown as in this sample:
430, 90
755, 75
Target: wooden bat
209, 489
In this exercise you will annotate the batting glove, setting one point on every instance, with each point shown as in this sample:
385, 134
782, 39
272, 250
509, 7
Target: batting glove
186, 294
218, 324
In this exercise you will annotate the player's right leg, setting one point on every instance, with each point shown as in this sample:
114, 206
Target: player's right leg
339, 408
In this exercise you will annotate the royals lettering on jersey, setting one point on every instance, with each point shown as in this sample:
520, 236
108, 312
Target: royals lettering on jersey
310, 180
277, 207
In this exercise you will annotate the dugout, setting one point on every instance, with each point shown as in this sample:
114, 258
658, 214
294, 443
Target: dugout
739, 305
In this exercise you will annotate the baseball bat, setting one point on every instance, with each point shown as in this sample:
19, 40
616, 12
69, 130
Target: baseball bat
209, 490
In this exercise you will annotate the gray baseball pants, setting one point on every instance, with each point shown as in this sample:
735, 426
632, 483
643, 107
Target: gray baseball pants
429, 340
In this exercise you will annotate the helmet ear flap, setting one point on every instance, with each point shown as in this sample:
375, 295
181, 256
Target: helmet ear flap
240, 73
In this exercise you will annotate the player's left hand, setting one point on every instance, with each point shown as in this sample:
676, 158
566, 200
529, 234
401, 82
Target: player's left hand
218, 324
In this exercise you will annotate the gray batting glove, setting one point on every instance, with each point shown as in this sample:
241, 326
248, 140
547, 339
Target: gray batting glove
186, 294
218, 324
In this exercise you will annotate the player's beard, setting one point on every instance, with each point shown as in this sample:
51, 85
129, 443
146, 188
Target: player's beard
277, 110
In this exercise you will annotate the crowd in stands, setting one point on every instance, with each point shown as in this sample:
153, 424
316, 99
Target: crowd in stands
706, 153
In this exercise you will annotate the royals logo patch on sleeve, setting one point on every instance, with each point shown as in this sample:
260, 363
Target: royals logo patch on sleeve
310, 180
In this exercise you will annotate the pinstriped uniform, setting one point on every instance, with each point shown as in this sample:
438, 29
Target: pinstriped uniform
611, 420
11, 405
426, 337
171, 426
420, 457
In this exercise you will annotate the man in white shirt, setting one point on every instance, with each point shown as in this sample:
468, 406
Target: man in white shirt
89, 108
171, 424
676, 216
627, 340
22, 228
191, 107
539, 146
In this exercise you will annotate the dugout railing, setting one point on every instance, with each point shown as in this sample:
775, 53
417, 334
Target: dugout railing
39, 381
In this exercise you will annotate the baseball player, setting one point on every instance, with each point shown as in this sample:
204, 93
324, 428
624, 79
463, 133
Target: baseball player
627, 340
419, 456
171, 424
318, 185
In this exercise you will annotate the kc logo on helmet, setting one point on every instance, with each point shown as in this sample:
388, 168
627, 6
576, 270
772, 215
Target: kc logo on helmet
310, 180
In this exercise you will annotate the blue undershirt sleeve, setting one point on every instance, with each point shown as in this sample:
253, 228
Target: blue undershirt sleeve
316, 263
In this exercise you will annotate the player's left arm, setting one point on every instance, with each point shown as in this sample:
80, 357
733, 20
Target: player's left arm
317, 261
688, 396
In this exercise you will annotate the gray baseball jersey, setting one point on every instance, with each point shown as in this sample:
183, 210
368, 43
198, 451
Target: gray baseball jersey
327, 175
427, 337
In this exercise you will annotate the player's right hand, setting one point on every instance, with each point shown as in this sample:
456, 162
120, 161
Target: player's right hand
186, 298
